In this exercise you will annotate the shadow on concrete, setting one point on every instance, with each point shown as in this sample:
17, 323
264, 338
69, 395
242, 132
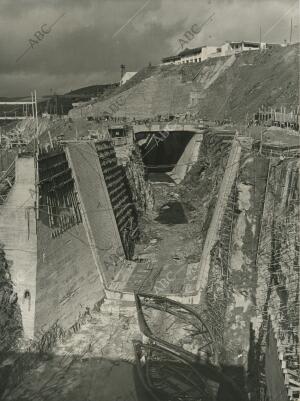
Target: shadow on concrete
84, 377
72, 378
237, 375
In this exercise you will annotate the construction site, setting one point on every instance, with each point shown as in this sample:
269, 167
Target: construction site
149, 239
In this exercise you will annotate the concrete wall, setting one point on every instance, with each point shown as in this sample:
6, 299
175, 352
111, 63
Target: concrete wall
98, 215
187, 159
62, 258
67, 276
18, 234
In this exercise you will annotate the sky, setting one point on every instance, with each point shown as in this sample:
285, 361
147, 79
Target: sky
90, 39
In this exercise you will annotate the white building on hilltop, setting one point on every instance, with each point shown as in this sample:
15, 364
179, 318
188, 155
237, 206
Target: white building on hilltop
229, 48
203, 53
195, 55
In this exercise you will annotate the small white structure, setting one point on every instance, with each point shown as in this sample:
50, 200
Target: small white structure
229, 48
128, 75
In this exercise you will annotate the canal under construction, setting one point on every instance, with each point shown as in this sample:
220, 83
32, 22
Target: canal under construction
150, 263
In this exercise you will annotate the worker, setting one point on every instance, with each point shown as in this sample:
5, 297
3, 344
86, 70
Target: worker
281, 159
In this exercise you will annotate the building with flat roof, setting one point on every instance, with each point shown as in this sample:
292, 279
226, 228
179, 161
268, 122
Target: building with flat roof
198, 54
195, 55
229, 48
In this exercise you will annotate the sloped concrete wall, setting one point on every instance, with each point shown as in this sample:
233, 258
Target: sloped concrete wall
98, 214
213, 231
187, 159
18, 234
67, 275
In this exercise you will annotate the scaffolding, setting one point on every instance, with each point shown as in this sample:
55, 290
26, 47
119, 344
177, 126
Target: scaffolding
28, 110
277, 263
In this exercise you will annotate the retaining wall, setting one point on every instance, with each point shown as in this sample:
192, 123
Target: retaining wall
18, 234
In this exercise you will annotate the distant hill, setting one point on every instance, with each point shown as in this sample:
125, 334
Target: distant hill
93, 90
60, 104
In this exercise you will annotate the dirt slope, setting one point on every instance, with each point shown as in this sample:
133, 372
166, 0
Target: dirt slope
254, 79
221, 87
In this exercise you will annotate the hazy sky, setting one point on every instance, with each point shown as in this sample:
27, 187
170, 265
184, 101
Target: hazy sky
93, 37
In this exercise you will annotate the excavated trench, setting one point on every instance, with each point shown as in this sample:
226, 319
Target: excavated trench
172, 237
174, 221
173, 234
160, 154
232, 284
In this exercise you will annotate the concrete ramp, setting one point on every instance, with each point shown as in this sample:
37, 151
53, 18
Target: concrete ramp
98, 215
18, 234
187, 159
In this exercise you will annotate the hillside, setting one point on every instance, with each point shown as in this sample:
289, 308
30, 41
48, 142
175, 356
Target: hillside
217, 88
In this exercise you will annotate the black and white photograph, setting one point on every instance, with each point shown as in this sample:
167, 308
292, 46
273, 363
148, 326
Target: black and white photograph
149, 200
